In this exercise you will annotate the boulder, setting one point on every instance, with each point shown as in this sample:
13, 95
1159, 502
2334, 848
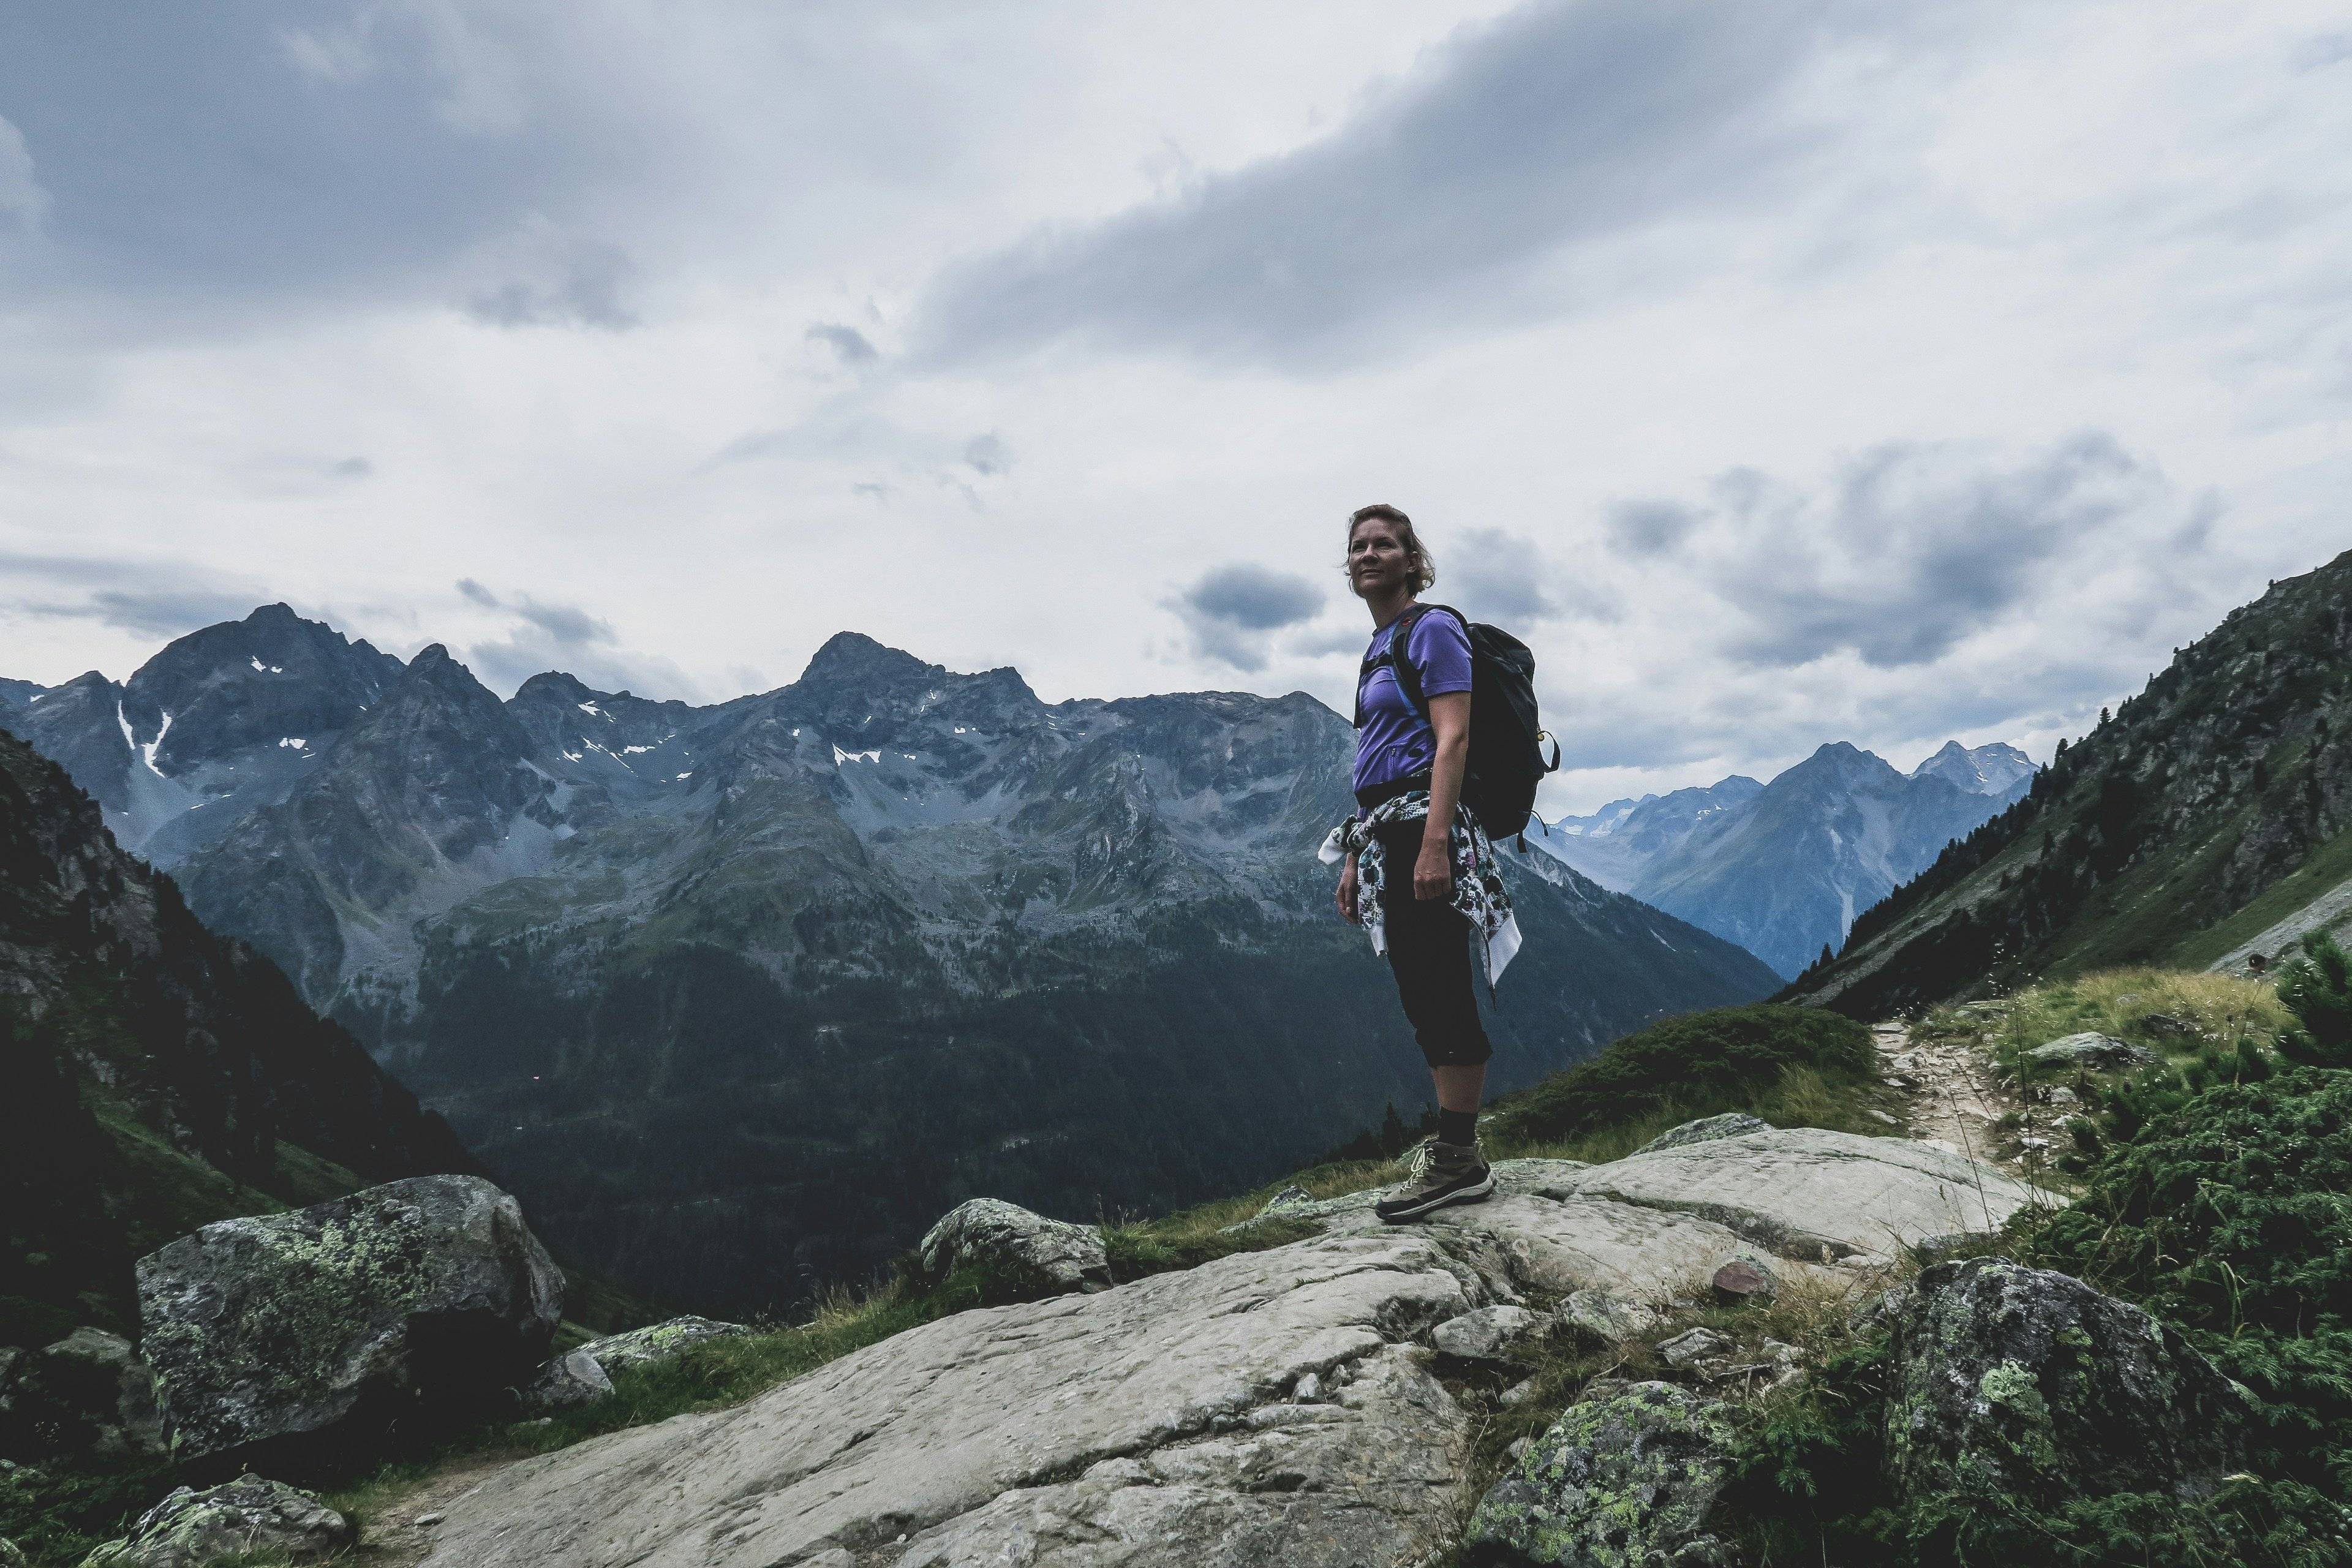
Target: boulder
2090, 1049
421, 1298
564, 1383
1602, 1315
1027, 1250
1694, 1346
88, 1396
1744, 1280
657, 1342
248, 1517
1731, 1124
1630, 1477
1500, 1334
2022, 1381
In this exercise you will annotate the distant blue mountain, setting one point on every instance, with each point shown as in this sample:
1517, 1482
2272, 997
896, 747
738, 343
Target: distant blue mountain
1783, 869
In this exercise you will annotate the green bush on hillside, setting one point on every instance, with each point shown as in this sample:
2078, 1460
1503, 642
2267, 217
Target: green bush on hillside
1701, 1064
2318, 988
2231, 1219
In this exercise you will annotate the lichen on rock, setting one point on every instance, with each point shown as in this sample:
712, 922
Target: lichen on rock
657, 1343
247, 1518
1625, 1481
430, 1293
2023, 1382
1046, 1255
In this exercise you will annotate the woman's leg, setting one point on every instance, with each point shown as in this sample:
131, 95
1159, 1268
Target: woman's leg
1429, 952
1429, 948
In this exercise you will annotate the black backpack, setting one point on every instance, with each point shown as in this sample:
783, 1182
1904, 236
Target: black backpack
1507, 745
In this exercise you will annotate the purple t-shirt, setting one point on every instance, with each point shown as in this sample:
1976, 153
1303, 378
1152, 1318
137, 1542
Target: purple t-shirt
1397, 743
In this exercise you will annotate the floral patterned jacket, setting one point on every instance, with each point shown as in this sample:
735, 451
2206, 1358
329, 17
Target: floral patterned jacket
1478, 890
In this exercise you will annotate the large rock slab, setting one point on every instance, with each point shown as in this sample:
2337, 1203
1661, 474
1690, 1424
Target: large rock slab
248, 1518
1025, 1250
1548, 1240
1628, 1479
2020, 1382
1151, 1424
421, 1295
1814, 1195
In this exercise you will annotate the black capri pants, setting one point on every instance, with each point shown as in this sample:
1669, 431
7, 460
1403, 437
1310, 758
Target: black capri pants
1429, 953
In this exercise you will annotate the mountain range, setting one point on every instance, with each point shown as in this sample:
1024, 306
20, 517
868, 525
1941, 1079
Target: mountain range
1783, 869
2206, 819
737, 997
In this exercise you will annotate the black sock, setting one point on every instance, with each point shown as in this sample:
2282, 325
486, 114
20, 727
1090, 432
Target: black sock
1458, 1127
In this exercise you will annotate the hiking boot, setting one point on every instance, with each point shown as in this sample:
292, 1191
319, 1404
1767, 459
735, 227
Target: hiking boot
1441, 1173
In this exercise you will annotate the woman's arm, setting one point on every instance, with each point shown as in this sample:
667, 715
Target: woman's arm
1449, 717
1348, 892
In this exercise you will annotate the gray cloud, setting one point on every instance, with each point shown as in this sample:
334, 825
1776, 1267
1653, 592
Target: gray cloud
567, 637
847, 342
988, 455
1560, 123
1494, 575
232, 160
2318, 53
568, 626
156, 612
585, 291
22, 199
1649, 527
1234, 612
162, 598
351, 467
564, 626
1255, 599
1914, 547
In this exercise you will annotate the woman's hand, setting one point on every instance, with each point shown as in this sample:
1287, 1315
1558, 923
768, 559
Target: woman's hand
1433, 872
1348, 892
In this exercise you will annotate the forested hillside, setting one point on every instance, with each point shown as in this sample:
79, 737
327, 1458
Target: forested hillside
153, 1077
2187, 822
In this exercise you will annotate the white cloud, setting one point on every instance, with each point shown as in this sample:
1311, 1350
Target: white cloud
22, 199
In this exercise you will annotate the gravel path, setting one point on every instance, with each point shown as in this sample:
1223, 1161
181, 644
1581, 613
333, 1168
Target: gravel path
1955, 1098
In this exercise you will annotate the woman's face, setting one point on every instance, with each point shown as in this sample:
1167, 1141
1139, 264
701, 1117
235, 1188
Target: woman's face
1377, 561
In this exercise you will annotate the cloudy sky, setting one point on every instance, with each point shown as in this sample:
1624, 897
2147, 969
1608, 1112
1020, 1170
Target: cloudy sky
1783, 373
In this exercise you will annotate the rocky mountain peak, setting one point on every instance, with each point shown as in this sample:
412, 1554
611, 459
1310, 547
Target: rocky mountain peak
1996, 769
853, 659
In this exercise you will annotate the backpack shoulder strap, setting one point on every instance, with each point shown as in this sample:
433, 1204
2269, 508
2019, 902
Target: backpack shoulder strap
1407, 679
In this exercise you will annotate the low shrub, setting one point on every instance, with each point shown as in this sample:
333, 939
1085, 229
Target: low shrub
1799, 1059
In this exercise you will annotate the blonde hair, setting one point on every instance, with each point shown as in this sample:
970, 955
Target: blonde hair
1421, 563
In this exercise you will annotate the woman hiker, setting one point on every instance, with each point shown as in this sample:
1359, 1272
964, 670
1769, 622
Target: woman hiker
1415, 869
